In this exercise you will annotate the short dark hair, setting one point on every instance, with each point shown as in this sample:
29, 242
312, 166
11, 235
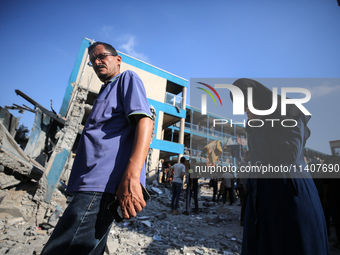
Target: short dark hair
107, 46
182, 160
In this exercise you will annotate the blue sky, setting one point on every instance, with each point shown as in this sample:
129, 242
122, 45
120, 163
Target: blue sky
192, 39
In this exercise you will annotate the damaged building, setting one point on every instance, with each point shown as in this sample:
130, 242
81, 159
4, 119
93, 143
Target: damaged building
54, 137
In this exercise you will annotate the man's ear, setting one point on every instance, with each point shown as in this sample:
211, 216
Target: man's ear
119, 60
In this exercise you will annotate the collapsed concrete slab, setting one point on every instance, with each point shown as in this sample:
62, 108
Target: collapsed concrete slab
13, 157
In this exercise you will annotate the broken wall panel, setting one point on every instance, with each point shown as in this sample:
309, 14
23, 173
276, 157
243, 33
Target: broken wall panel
36, 142
10, 122
13, 157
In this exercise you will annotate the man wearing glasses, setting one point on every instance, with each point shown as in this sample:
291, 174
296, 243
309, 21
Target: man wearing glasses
110, 158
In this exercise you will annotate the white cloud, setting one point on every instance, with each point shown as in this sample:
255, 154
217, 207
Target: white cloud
106, 31
323, 90
128, 46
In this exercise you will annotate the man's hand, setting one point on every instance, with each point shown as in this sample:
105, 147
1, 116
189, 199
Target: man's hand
129, 192
130, 196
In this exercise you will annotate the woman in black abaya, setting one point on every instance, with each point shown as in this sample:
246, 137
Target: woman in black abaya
284, 213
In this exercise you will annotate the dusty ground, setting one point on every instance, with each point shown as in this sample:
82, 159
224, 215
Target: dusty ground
25, 225
215, 230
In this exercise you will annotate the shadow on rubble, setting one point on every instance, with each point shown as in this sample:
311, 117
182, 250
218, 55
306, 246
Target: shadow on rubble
19, 182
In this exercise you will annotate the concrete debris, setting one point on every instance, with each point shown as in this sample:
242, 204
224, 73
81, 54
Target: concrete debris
161, 216
157, 190
13, 157
156, 231
26, 224
142, 217
146, 223
227, 253
7, 181
155, 183
157, 238
112, 246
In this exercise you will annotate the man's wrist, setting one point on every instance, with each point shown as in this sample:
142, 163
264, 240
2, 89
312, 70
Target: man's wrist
131, 175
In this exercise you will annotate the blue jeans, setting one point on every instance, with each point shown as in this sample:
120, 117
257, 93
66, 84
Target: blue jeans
84, 226
176, 193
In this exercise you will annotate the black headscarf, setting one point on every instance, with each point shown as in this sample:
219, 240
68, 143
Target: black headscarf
264, 99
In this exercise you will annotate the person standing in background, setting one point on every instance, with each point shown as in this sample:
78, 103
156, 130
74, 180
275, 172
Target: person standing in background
177, 183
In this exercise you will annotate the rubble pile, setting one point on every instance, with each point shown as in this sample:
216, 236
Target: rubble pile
214, 230
27, 223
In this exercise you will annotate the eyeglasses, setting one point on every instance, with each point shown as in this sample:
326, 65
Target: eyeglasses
101, 57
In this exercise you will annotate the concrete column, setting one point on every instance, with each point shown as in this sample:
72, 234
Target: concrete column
64, 145
182, 122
